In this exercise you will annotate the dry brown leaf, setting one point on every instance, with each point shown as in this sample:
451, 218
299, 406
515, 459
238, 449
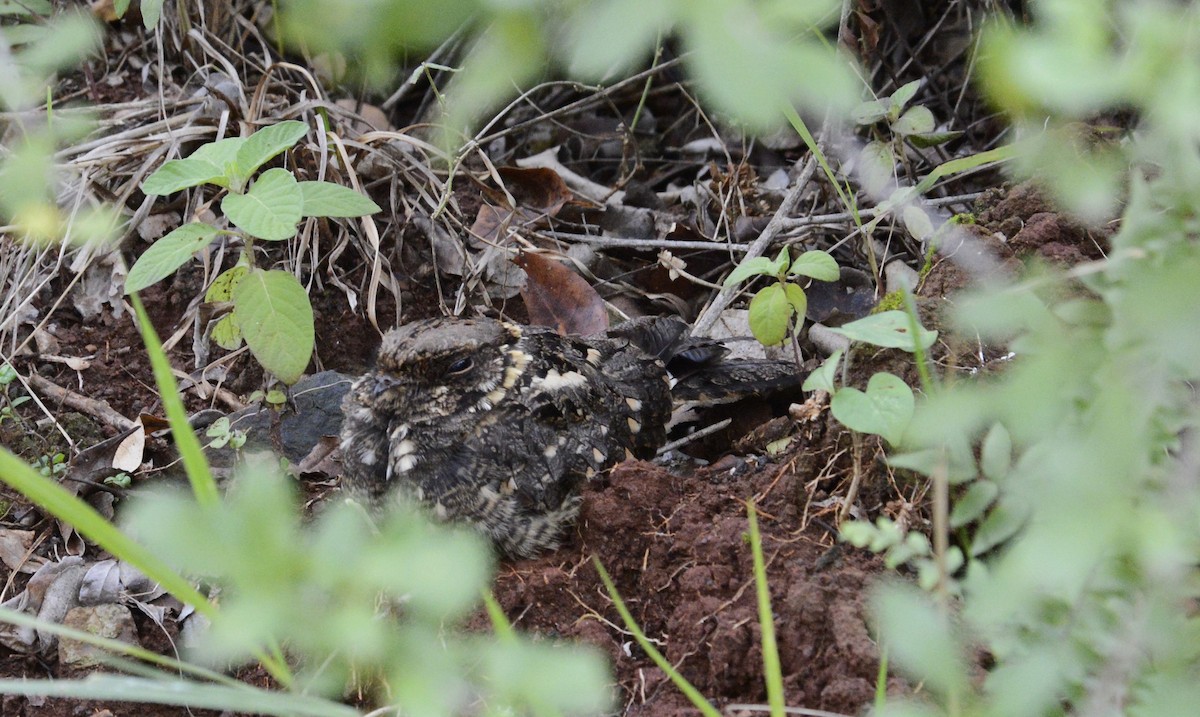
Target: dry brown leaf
489, 220
320, 458
129, 453
557, 297
16, 551
537, 188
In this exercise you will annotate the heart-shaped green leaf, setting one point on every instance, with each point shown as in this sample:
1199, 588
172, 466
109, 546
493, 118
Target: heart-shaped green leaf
825, 377
770, 312
904, 95
226, 333
972, 504
276, 319
889, 329
222, 154
817, 264
271, 209
884, 409
917, 119
325, 199
266, 144
168, 254
181, 174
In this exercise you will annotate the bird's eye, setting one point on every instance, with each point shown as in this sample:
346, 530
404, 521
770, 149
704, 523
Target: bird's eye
462, 365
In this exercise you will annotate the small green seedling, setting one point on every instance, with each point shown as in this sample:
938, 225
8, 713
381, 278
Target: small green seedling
271, 310
51, 466
886, 407
223, 434
772, 308
915, 124
8, 374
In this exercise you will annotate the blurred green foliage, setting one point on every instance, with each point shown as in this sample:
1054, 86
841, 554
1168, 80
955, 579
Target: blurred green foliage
32, 50
358, 604
749, 59
1079, 587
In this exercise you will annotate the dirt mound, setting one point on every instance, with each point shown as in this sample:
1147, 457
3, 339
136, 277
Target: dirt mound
677, 548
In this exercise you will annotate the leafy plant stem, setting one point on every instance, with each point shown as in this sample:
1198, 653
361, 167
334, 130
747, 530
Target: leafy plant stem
881, 679
194, 463
687, 688
204, 488
798, 124
855, 479
770, 650
914, 327
637, 113
941, 529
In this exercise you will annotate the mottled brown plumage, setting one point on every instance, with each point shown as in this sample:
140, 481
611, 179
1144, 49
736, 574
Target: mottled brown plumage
495, 424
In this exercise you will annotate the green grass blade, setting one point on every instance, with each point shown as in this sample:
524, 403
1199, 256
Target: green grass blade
504, 629
116, 647
881, 680
182, 693
687, 688
194, 462
770, 650
963, 164
801, 128
57, 501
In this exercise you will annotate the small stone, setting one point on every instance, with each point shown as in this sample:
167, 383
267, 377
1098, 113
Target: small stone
109, 620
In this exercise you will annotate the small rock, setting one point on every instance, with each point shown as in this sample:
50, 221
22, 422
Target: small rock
109, 620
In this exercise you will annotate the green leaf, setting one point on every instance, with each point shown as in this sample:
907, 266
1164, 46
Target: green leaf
795, 296
904, 95
222, 287
889, 329
183, 173
995, 457
870, 112
825, 377
151, 12
26, 7
325, 199
613, 34
916, 120
1001, 524
276, 319
885, 408
917, 222
266, 144
877, 167
924, 140
920, 638
168, 254
758, 266
221, 154
972, 504
226, 333
64, 505
271, 209
770, 312
816, 264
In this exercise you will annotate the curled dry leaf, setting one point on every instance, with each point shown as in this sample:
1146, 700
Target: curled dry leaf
321, 459
538, 188
489, 221
16, 551
128, 455
558, 297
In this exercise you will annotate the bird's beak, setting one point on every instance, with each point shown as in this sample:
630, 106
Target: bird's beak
382, 383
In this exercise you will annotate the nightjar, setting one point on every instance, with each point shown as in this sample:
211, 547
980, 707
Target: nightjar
496, 424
